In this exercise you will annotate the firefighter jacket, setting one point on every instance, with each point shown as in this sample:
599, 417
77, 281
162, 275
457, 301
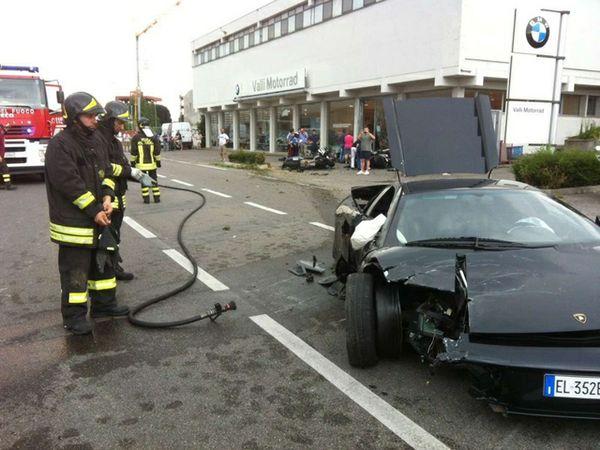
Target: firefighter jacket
145, 152
76, 164
120, 170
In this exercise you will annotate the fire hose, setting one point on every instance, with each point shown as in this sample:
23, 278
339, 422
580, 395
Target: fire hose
211, 314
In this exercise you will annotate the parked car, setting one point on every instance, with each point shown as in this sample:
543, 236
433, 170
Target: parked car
491, 276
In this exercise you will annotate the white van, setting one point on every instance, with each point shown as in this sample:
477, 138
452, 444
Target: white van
184, 128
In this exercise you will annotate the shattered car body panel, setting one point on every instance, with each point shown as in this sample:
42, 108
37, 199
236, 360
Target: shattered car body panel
520, 320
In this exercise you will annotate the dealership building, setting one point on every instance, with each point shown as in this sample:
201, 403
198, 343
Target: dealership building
326, 65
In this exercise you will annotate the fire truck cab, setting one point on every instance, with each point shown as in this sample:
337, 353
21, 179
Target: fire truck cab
26, 110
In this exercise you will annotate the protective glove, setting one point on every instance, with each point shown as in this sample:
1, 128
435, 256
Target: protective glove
142, 177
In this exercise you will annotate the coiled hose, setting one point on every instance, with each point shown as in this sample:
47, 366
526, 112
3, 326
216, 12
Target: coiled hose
211, 314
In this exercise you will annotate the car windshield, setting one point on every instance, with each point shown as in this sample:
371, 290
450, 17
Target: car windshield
504, 216
22, 92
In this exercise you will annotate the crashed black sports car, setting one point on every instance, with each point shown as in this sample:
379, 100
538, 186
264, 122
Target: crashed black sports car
492, 276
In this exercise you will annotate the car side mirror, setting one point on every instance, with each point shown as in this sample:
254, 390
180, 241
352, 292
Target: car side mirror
60, 97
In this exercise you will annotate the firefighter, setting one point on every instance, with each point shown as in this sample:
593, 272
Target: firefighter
113, 123
145, 155
5, 182
80, 206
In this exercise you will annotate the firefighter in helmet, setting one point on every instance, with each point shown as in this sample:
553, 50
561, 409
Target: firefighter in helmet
111, 124
80, 206
145, 155
5, 182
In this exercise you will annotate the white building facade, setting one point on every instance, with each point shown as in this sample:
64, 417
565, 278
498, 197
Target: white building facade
325, 65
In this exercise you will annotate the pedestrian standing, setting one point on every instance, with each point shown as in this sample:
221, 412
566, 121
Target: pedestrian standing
339, 139
348, 141
366, 139
313, 141
223, 141
5, 181
145, 155
303, 135
113, 123
80, 207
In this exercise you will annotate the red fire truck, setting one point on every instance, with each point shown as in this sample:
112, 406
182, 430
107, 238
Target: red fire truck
25, 108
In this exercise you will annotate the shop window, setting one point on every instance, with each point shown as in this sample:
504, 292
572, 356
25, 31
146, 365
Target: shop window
374, 119
246, 40
569, 105
277, 29
496, 97
327, 10
262, 129
341, 120
271, 32
593, 106
356, 4
228, 123
307, 18
284, 27
291, 24
251, 37
310, 117
299, 21
241, 43
244, 123
283, 125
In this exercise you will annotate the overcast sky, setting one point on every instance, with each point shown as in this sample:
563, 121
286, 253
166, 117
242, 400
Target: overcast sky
90, 45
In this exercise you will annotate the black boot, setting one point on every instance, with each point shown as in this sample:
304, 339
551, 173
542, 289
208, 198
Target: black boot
113, 310
156, 199
146, 200
79, 325
122, 275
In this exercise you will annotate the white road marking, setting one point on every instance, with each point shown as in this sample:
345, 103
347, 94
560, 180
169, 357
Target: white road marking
137, 227
196, 164
256, 205
220, 194
203, 276
398, 423
160, 176
182, 182
322, 225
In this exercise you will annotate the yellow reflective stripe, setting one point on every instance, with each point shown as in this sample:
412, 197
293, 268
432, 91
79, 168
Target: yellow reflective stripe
124, 115
108, 182
147, 166
117, 169
102, 285
115, 203
157, 157
76, 231
70, 239
78, 297
91, 104
84, 200
124, 201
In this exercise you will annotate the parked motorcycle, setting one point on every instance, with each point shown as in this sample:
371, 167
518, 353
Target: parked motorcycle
319, 160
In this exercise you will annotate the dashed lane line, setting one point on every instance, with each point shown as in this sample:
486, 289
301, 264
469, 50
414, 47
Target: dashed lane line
256, 205
322, 225
137, 227
203, 276
195, 164
220, 194
398, 423
185, 183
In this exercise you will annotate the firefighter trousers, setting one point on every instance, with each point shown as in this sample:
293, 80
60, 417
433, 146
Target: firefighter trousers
155, 189
5, 174
80, 278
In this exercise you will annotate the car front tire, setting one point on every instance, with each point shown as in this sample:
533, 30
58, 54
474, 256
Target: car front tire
361, 333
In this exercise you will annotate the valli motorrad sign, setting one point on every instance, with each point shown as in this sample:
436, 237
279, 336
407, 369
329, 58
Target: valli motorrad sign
279, 82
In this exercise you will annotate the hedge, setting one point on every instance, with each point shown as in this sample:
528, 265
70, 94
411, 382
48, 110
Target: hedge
245, 157
553, 170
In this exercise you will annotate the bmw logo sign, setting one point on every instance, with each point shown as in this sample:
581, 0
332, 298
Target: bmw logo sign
237, 89
538, 32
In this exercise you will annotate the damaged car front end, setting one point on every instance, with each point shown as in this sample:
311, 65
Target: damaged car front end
501, 283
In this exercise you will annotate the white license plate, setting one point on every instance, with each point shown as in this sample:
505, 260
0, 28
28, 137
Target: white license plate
571, 386
9, 155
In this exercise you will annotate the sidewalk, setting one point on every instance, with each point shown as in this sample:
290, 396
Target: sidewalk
338, 180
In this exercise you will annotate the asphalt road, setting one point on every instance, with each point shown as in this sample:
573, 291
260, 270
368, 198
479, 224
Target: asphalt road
273, 374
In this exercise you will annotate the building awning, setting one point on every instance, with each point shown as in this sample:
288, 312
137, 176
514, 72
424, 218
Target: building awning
270, 95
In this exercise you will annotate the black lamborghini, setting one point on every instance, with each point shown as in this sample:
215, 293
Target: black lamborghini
493, 276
